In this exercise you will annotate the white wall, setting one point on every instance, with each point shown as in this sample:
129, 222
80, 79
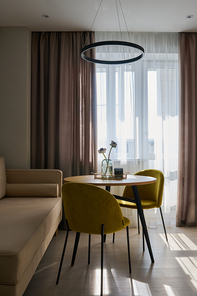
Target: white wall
15, 63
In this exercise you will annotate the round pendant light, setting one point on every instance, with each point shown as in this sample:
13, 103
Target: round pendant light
109, 43
121, 43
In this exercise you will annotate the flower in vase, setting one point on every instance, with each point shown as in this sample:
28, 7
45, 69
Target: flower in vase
103, 151
113, 144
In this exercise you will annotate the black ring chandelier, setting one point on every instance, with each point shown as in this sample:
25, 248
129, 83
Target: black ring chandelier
118, 62
109, 43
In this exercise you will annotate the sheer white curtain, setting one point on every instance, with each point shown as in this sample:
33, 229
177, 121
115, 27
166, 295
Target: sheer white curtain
137, 106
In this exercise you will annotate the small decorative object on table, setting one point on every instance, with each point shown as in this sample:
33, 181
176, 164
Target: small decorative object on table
107, 164
113, 177
107, 167
118, 172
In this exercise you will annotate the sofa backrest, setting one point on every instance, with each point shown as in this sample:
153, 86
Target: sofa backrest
2, 178
34, 182
32, 190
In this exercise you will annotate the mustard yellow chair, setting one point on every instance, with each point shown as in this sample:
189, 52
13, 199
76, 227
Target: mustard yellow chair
151, 195
92, 210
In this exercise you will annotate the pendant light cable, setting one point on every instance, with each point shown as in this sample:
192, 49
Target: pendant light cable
94, 20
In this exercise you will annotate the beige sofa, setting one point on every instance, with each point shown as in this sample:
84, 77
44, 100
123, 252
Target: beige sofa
30, 212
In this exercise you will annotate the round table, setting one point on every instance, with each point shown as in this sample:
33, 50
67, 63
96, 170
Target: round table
130, 180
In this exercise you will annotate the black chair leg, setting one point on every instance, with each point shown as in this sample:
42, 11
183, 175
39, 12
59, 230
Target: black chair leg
75, 248
138, 222
129, 257
102, 242
63, 252
143, 240
163, 224
113, 237
143, 235
108, 189
89, 245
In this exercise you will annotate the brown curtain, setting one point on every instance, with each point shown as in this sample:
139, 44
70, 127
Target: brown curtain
63, 103
187, 180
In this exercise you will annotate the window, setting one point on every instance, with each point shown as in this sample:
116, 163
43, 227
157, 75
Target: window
137, 106
138, 119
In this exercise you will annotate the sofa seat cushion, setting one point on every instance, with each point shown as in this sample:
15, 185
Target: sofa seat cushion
24, 224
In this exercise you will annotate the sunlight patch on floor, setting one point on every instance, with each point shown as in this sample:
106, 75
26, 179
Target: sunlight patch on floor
188, 242
98, 282
126, 281
42, 269
141, 288
179, 242
189, 266
169, 290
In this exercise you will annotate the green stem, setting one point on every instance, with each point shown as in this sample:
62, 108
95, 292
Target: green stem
108, 164
109, 152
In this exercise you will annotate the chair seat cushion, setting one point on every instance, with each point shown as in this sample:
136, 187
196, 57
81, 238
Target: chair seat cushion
146, 204
24, 224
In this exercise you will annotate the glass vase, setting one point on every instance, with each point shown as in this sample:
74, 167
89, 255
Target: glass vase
107, 169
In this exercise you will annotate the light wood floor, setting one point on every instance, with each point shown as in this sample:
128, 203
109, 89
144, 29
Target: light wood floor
174, 272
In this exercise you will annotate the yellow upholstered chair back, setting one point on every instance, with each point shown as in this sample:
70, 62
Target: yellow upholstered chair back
87, 207
152, 191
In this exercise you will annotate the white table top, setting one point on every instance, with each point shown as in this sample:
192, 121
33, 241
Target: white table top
131, 180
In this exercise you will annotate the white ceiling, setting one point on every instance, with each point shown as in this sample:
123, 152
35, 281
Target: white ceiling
78, 15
